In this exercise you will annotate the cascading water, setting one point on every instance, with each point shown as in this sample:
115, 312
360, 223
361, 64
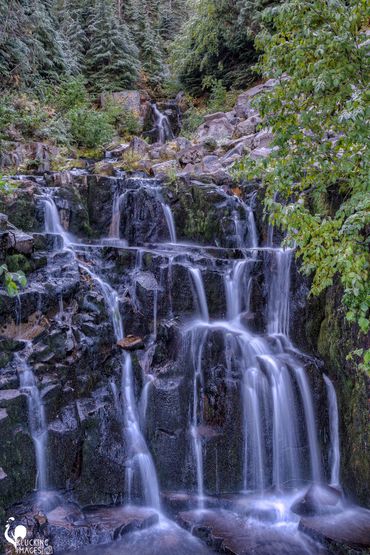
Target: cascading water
334, 432
277, 434
37, 422
52, 220
138, 211
279, 293
139, 453
162, 125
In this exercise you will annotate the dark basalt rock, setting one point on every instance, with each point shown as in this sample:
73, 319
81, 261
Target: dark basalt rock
318, 500
345, 532
226, 533
72, 528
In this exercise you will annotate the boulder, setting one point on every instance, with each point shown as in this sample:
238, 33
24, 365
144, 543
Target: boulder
211, 164
318, 500
216, 115
181, 143
138, 146
104, 168
263, 139
164, 168
4, 222
137, 102
117, 151
192, 155
345, 531
246, 127
19, 241
217, 129
260, 153
232, 117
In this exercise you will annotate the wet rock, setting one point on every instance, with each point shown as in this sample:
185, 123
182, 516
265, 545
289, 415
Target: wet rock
131, 343
349, 529
47, 242
319, 499
226, 533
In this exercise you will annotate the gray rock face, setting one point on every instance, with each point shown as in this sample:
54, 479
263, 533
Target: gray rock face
247, 127
217, 129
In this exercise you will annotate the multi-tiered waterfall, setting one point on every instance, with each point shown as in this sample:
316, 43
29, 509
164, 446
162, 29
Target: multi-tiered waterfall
217, 410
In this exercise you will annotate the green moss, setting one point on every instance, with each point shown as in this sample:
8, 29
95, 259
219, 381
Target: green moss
336, 340
18, 262
20, 209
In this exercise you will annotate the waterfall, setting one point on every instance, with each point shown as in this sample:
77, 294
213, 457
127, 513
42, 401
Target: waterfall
170, 222
141, 208
162, 125
334, 432
52, 220
274, 432
200, 293
279, 292
114, 230
237, 289
37, 422
197, 340
310, 422
139, 452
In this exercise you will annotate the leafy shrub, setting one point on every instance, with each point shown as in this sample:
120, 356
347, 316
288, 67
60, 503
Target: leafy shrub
70, 94
192, 119
125, 121
89, 128
12, 280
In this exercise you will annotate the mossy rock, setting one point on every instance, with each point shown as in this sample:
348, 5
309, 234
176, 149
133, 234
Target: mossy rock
18, 262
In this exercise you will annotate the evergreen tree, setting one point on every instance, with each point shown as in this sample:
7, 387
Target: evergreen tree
142, 17
217, 43
68, 15
171, 16
31, 46
111, 59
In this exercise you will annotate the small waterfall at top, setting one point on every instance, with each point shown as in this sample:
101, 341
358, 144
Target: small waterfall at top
334, 432
162, 125
52, 220
37, 422
128, 207
139, 453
